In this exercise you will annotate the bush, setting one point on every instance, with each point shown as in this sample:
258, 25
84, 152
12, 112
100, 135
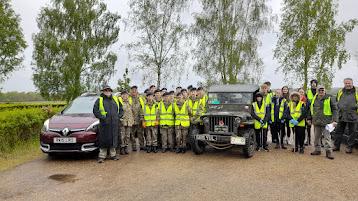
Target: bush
21, 125
11, 106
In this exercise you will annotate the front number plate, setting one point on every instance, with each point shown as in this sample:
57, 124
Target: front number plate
206, 137
64, 140
237, 140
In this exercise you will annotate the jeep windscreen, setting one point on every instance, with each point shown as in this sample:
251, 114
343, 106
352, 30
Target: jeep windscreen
81, 105
229, 98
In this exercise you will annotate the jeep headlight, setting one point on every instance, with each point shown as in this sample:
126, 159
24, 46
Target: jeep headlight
46, 125
93, 127
237, 121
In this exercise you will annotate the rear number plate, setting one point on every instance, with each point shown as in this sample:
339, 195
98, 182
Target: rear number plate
64, 140
237, 140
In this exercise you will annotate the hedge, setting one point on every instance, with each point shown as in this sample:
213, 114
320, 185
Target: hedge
21, 125
11, 106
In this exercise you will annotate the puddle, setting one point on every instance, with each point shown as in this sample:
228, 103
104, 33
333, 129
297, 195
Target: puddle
64, 178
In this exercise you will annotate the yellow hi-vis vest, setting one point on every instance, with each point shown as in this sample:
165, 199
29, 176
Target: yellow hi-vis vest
326, 106
194, 106
203, 102
101, 106
267, 99
281, 111
310, 95
129, 100
150, 115
340, 93
260, 112
166, 115
181, 115
296, 113
141, 100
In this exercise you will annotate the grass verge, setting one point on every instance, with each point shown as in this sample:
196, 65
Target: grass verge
22, 153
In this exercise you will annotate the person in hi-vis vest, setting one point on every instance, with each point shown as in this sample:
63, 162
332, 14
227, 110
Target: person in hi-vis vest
260, 111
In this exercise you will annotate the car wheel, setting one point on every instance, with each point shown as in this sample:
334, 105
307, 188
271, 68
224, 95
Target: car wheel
249, 147
197, 146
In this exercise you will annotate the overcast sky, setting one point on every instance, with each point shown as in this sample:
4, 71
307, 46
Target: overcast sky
21, 80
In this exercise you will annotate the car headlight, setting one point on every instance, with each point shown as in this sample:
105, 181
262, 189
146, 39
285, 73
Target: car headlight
206, 120
46, 125
237, 121
93, 127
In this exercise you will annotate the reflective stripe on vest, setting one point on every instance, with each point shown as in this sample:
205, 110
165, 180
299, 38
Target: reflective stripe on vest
150, 115
260, 112
129, 100
181, 115
296, 113
194, 107
326, 106
166, 115
101, 106
340, 93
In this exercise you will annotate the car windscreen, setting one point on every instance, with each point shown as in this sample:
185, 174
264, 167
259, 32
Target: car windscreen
81, 105
229, 98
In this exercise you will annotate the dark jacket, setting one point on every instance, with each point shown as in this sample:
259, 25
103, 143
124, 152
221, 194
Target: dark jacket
267, 114
318, 118
347, 106
109, 124
303, 113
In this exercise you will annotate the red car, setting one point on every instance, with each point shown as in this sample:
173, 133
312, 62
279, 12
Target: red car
73, 130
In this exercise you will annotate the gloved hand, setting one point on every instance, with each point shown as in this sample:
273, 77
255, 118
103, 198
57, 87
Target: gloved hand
270, 122
282, 121
295, 122
292, 121
261, 121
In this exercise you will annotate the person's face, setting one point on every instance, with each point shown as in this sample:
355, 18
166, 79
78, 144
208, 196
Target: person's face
259, 98
285, 90
150, 98
302, 92
153, 89
193, 94
278, 93
185, 94
177, 90
295, 98
180, 98
348, 84
134, 92
107, 92
125, 97
321, 92
264, 89
313, 85
158, 95
166, 98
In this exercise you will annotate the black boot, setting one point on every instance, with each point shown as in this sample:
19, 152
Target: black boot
155, 149
164, 150
134, 148
283, 146
126, 150
349, 150
316, 153
329, 155
149, 149
336, 148
122, 152
178, 150
302, 151
183, 150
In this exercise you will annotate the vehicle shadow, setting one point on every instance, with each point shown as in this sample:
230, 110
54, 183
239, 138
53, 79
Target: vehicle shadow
72, 156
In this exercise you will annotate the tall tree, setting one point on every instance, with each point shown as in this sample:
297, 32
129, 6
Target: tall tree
157, 52
71, 51
311, 43
12, 42
227, 34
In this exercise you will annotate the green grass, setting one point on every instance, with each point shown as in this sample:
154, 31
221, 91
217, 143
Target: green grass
22, 153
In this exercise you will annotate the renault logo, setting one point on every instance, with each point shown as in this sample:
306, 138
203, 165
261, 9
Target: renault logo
65, 131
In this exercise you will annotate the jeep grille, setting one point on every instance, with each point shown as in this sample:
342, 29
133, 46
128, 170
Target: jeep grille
228, 121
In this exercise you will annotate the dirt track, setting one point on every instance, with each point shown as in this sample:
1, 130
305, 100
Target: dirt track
225, 175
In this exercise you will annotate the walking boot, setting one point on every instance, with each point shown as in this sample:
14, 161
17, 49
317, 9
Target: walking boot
277, 146
164, 150
155, 149
149, 149
266, 148
183, 150
122, 152
295, 149
134, 148
114, 158
283, 147
336, 148
126, 150
178, 150
100, 160
316, 153
302, 151
329, 155
349, 150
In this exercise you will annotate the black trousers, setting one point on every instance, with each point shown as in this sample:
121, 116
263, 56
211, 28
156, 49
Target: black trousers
275, 129
261, 141
308, 140
352, 130
287, 125
299, 136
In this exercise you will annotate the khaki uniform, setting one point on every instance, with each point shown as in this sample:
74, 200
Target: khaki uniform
126, 124
151, 131
137, 129
181, 132
167, 132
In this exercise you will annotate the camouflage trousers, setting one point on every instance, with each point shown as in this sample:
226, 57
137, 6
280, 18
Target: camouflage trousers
138, 131
126, 136
151, 137
167, 134
103, 152
320, 131
181, 136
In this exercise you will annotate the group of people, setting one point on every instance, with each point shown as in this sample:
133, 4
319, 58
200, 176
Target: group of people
284, 113
157, 118
161, 118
